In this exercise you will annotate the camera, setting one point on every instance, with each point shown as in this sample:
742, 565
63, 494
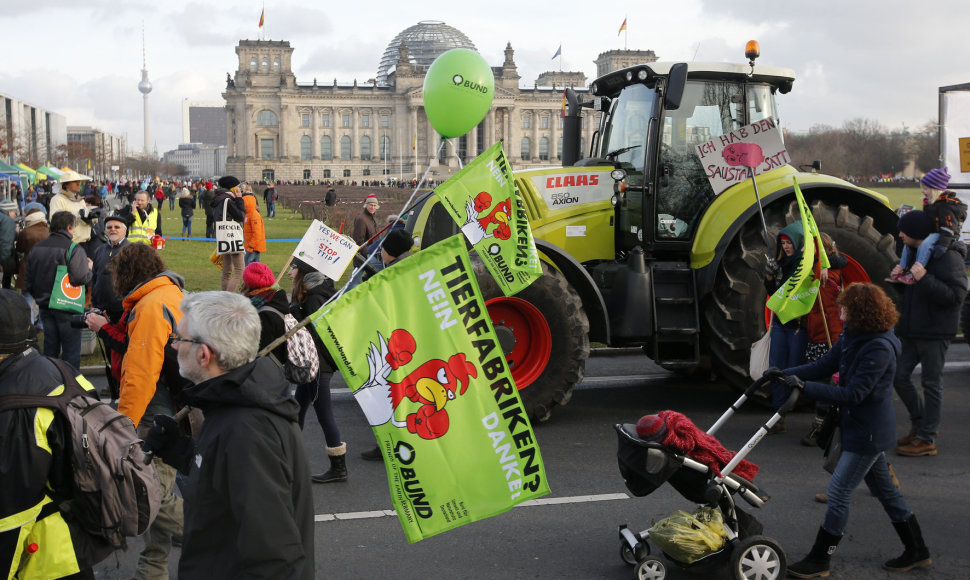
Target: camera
80, 320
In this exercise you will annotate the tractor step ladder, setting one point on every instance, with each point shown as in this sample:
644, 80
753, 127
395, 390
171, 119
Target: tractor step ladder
676, 316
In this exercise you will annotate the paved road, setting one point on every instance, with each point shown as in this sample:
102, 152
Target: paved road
572, 533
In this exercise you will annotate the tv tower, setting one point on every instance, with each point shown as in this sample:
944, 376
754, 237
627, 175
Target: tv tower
145, 86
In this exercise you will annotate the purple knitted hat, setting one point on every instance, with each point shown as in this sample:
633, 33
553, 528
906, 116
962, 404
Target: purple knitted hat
936, 179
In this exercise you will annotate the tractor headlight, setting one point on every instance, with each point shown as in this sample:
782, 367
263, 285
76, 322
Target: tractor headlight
629, 76
618, 174
642, 75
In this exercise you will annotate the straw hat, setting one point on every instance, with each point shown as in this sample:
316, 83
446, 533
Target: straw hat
71, 175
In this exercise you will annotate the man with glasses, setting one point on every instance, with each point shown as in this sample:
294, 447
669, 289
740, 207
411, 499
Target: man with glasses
249, 507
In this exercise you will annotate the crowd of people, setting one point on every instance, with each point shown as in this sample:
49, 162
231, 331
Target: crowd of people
239, 440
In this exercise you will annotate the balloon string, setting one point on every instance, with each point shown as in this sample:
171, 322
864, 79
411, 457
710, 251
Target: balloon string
380, 244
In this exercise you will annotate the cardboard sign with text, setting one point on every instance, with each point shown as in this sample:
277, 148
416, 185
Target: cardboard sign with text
726, 158
326, 250
229, 238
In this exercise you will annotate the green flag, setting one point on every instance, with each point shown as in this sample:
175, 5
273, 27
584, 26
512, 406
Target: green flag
418, 351
796, 296
483, 199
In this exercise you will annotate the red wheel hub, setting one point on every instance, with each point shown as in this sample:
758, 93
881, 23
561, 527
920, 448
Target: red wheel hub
524, 336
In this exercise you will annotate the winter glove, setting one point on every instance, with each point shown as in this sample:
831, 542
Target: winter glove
793, 382
772, 269
166, 442
773, 373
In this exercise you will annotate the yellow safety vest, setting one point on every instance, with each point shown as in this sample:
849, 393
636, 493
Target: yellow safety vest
141, 232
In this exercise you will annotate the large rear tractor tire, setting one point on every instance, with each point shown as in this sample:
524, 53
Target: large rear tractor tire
544, 333
733, 315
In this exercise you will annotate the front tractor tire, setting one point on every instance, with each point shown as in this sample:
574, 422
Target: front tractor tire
733, 315
544, 333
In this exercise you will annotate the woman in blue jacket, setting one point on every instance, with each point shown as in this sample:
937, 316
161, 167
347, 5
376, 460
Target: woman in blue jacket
865, 357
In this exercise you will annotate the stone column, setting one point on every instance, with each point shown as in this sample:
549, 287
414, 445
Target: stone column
245, 131
534, 154
281, 132
490, 128
554, 143
355, 136
314, 134
432, 141
412, 138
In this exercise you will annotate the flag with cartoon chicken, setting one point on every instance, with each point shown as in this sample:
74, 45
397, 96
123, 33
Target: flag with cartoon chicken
420, 355
483, 199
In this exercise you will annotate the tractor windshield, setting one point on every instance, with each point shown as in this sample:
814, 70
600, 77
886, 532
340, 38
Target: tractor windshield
625, 129
708, 110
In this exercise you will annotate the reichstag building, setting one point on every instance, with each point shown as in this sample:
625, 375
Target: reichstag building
279, 129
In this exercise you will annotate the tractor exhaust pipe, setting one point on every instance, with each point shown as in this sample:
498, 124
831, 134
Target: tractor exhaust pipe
571, 126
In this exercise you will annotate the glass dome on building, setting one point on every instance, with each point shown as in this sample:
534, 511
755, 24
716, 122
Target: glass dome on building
426, 41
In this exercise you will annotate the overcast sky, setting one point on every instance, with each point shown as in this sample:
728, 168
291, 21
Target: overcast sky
881, 60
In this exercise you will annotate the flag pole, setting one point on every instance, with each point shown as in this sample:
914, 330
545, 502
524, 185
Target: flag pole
761, 212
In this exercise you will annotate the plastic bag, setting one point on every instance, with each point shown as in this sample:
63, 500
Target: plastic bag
758, 363
689, 537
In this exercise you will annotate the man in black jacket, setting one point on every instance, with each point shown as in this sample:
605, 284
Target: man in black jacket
60, 339
930, 314
248, 503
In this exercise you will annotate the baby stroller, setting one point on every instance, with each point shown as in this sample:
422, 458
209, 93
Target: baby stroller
646, 465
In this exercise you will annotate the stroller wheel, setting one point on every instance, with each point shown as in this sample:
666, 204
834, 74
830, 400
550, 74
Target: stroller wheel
758, 558
633, 555
651, 568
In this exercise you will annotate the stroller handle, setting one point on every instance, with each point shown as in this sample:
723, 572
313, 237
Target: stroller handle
752, 388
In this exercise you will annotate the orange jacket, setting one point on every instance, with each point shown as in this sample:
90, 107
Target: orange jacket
253, 229
154, 313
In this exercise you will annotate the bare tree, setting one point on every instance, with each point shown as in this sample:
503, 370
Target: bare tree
925, 146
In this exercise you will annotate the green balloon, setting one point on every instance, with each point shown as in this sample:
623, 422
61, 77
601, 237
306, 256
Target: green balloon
458, 91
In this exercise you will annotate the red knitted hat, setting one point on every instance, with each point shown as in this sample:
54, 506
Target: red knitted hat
370, 199
652, 428
258, 275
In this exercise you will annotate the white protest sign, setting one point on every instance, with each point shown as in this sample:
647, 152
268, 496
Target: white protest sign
229, 238
326, 250
726, 159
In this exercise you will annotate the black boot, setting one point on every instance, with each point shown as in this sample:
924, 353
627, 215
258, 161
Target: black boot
372, 454
816, 563
338, 466
916, 554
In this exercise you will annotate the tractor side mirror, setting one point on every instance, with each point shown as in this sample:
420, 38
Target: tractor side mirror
676, 83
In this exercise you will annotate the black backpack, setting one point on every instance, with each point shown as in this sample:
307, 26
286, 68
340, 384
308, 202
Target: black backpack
116, 494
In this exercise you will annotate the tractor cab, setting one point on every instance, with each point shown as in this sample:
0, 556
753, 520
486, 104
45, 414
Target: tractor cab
653, 117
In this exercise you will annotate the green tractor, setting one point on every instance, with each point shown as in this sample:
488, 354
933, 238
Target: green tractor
637, 249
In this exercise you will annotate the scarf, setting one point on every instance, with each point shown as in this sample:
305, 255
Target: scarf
260, 296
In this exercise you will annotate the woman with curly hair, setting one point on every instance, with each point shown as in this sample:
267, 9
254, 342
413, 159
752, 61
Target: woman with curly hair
865, 357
